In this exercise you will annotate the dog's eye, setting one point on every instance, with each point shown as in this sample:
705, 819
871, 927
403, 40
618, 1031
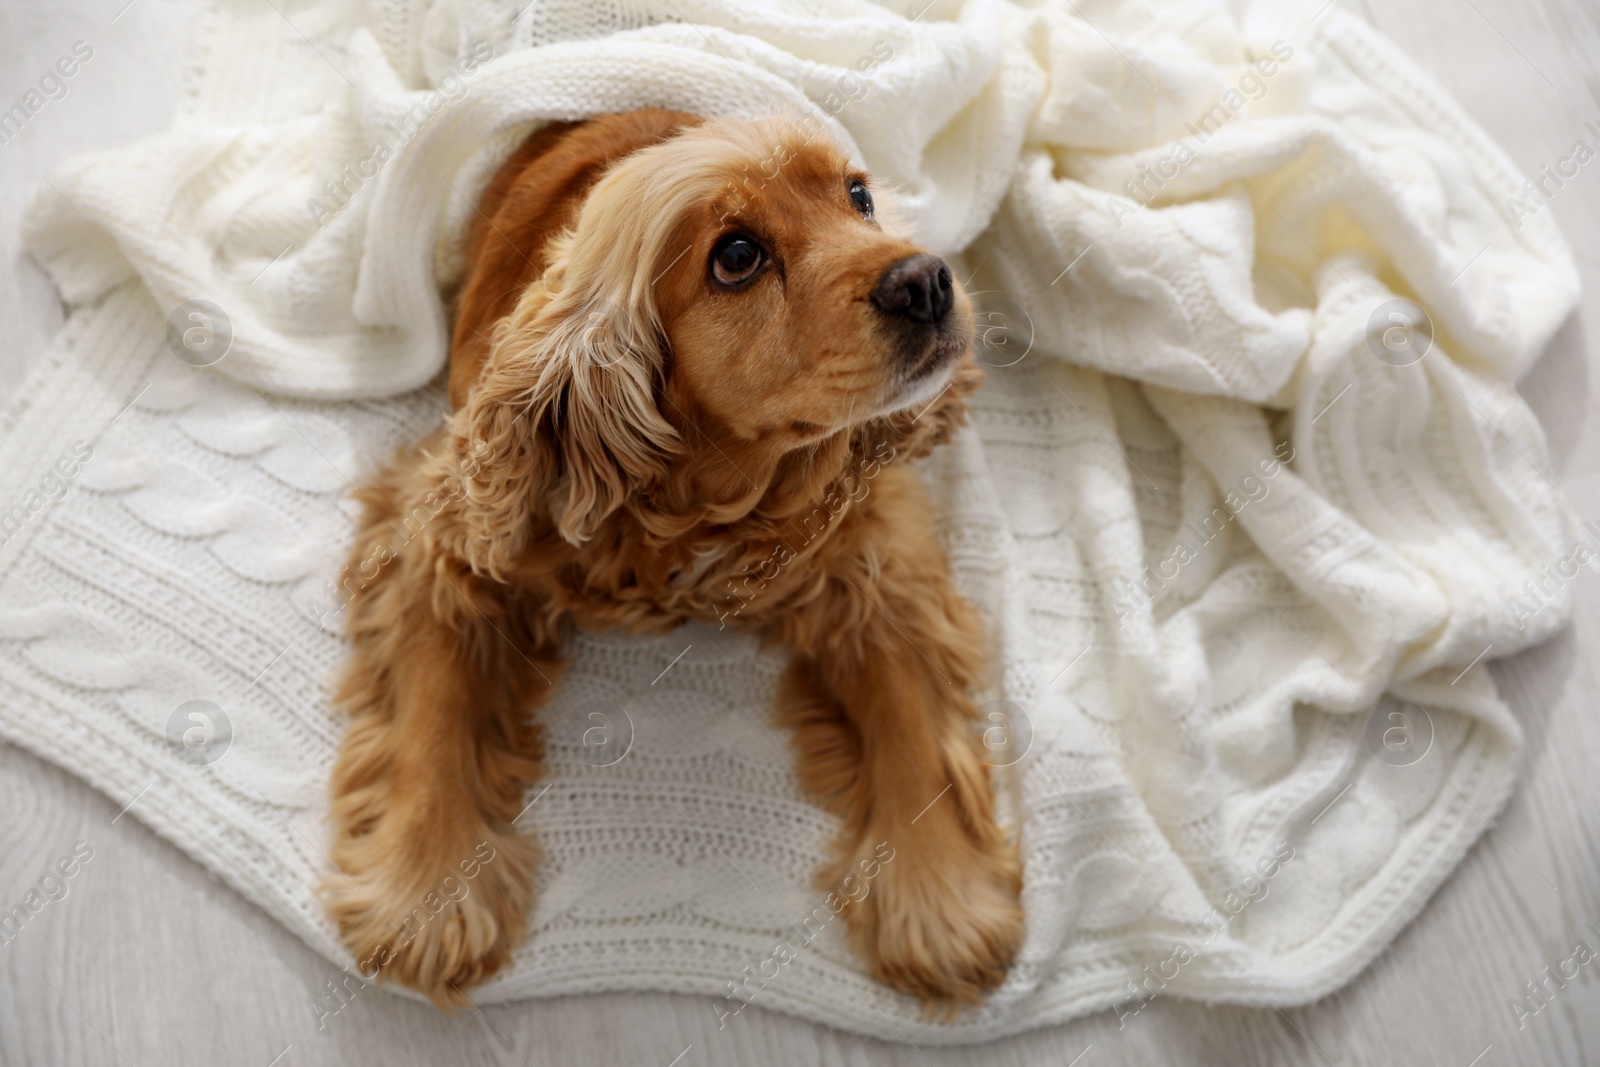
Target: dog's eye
860, 197
736, 259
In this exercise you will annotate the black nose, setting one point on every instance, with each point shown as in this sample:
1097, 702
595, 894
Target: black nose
917, 287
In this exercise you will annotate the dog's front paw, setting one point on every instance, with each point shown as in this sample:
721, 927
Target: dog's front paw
437, 918
942, 920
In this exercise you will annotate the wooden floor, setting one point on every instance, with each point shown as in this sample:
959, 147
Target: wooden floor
149, 960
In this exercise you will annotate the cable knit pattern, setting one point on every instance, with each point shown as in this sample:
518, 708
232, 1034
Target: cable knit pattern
1228, 553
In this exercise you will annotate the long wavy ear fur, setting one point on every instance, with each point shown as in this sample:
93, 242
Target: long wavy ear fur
555, 394
564, 413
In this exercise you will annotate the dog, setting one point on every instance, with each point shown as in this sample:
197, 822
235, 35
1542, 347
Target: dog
680, 350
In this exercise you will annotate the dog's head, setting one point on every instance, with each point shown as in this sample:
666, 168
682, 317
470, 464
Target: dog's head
726, 299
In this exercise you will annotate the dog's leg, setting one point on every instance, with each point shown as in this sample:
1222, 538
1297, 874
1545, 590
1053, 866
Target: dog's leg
879, 699
432, 884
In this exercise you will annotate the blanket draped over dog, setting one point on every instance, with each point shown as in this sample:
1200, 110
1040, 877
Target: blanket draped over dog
1248, 499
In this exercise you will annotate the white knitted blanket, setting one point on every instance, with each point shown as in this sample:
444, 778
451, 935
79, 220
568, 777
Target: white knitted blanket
1246, 530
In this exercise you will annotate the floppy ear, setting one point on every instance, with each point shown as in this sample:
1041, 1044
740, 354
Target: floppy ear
532, 199
564, 416
556, 425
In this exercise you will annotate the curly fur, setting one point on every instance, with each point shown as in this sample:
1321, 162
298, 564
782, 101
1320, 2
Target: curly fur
633, 446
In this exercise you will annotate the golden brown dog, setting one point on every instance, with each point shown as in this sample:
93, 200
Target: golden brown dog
680, 348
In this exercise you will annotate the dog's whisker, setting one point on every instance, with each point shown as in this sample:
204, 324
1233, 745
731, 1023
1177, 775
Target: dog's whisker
973, 273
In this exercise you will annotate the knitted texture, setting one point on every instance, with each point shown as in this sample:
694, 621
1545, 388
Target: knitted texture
1243, 550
